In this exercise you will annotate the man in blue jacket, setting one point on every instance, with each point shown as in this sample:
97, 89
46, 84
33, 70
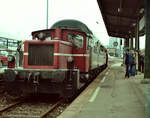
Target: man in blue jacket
128, 63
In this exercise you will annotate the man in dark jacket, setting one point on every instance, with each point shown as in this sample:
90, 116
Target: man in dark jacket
127, 63
142, 62
132, 63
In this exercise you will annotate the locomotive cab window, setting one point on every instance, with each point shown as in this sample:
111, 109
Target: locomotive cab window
48, 36
41, 35
76, 39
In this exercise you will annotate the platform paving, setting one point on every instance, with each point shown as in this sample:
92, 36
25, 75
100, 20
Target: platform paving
110, 96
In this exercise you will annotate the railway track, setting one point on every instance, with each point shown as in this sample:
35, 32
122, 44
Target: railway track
1, 86
1, 82
29, 109
4, 107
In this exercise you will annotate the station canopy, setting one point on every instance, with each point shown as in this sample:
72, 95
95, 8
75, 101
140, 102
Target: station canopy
121, 16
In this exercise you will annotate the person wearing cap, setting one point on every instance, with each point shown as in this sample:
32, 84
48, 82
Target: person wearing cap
127, 63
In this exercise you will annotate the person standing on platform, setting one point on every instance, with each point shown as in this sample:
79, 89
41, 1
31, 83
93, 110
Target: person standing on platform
142, 63
19, 54
133, 64
17, 57
127, 63
140, 54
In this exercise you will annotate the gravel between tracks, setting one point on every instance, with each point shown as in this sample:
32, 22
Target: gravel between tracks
27, 110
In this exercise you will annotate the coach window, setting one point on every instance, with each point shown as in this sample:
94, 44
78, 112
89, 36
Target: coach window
76, 39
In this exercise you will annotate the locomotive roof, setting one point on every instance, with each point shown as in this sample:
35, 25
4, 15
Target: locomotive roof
72, 24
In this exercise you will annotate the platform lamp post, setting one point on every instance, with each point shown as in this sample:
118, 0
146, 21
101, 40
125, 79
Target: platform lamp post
47, 15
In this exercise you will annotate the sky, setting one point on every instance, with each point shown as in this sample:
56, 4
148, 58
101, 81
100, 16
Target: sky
142, 42
20, 17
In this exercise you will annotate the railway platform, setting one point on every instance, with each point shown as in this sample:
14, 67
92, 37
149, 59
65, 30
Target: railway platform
110, 95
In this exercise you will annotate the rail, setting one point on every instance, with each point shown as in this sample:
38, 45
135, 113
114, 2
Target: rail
29, 110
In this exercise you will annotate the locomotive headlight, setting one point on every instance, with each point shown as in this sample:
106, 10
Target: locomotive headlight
86, 76
70, 59
10, 58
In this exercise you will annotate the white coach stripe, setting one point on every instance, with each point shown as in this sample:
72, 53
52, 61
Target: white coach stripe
63, 54
26, 53
94, 94
86, 55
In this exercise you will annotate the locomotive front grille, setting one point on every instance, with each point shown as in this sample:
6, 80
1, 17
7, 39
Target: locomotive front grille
41, 54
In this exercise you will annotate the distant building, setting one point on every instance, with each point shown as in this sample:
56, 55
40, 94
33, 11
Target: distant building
115, 47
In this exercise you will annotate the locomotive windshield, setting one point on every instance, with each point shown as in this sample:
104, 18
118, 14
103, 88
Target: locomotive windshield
76, 39
48, 36
41, 35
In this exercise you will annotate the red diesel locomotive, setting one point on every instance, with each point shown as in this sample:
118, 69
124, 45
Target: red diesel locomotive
58, 60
